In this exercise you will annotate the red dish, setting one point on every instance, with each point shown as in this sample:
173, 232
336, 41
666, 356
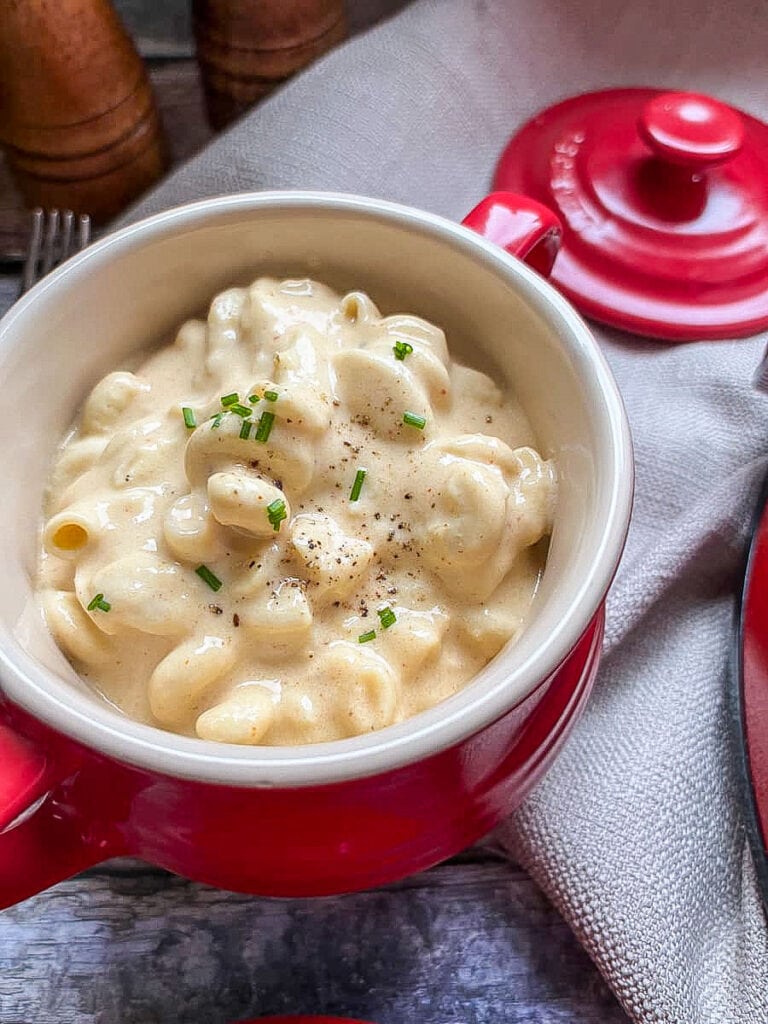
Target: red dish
308, 841
301, 1020
80, 783
751, 692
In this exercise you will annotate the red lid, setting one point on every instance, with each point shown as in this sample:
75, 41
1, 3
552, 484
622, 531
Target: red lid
664, 203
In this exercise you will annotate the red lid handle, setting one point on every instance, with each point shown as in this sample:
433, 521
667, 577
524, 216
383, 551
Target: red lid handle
691, 130
521, 226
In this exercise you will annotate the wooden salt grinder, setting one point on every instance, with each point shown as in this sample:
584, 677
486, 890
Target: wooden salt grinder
77, 116
247, 47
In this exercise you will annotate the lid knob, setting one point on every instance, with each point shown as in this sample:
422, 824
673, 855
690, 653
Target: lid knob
691, 130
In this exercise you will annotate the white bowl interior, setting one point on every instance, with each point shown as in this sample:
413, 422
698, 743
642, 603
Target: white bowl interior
131, 291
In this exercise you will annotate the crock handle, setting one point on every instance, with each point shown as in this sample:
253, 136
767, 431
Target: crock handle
521, 226
39, 843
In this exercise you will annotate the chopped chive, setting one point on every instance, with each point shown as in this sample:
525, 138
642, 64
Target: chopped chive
414, 420
264, 428
365, 637
387, 617
402, 349
276, 513
208, 577
357, 486
240, 410
190, 422
271, 396
245, 430
230, 399
99, 602
253, 399
217, 420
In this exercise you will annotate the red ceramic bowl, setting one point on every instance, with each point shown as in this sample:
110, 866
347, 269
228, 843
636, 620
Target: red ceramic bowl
79, 782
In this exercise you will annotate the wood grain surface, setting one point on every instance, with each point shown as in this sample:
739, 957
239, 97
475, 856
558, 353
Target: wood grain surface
472, 941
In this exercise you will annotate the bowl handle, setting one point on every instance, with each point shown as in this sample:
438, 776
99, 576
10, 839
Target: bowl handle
41, 840
521, 226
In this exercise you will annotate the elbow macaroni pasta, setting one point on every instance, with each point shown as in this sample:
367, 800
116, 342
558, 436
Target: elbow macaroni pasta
299, 522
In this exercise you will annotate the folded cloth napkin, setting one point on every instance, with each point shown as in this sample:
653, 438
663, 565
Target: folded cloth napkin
636, 832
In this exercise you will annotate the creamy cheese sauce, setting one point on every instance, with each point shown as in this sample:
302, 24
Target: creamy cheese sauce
301, 521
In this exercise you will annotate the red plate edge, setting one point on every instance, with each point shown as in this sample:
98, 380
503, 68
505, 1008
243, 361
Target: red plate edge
300, 1019
750, 692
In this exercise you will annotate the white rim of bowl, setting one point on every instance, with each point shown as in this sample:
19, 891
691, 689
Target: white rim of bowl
493, 691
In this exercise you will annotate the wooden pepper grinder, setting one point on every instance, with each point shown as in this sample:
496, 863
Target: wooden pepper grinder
77, 115
247, 47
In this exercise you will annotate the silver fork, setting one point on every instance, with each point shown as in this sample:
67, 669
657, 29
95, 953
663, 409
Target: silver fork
55, 236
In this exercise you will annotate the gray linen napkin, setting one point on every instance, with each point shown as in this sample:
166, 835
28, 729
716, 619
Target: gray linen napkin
636, 833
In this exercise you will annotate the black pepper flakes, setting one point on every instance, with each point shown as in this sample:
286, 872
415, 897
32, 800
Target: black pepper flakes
235, 620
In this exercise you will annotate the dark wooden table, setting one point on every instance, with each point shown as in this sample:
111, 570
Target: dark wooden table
473, 940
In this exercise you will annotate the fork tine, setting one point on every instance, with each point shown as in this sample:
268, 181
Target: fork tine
66, 237
54, 237
83, 230
33, 254
51, 238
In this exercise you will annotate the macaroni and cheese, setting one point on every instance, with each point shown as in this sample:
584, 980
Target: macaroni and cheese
299, 522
